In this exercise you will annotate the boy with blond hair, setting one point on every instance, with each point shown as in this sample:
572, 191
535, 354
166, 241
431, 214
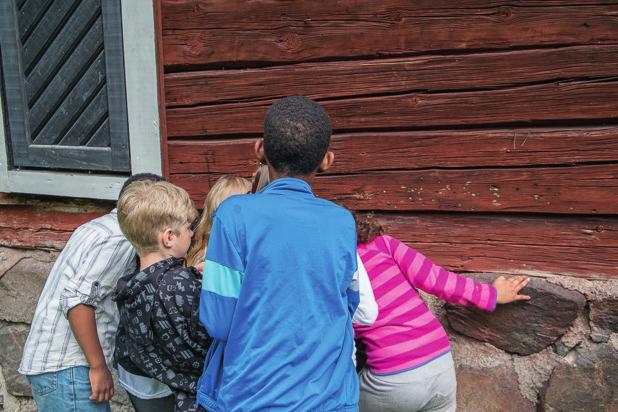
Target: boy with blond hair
160, 335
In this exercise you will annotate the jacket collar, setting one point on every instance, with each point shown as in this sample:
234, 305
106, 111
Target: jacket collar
288, 184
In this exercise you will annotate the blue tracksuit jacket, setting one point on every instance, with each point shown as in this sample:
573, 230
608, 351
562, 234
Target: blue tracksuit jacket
277, 300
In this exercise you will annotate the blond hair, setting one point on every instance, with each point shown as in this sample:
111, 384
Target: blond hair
145, 208
261, 179
225, 187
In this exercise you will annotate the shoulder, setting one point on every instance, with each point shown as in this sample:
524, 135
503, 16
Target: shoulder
234, 206
101, 231
180, 275
179, 286
382, 243
335, 210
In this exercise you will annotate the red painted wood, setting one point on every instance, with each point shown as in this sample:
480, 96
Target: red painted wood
26, 226
574, 246
360, 152
577, 189
397, 75
216, 33
569, 101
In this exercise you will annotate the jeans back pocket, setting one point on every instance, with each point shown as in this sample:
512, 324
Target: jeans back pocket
43, 384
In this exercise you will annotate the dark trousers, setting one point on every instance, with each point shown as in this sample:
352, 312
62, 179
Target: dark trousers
153, 405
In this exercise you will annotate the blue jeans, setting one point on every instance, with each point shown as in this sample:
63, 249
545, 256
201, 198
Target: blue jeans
67, 390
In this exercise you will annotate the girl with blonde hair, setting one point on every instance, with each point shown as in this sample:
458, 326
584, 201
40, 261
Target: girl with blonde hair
225, 187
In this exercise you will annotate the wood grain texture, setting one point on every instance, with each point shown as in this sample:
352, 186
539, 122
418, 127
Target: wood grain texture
577, 189
31, 227
362, 152
568, 101
396, 75
574, 246
219, 33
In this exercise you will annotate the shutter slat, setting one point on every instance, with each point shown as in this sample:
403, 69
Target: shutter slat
12, 82
100, 138
88, 122
66, 78
118, 122
80, 95
45, 33
30, 15
60, 51
82, 158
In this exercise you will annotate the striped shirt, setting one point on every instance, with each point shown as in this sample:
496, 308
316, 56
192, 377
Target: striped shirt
86, 272
406, 334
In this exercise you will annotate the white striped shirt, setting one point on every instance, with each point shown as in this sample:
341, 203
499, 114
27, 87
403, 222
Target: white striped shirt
86, 272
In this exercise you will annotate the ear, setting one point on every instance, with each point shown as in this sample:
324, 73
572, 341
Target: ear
327, 161
167, 237
259, 150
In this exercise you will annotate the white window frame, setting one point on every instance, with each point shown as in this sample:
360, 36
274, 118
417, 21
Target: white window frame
139, 41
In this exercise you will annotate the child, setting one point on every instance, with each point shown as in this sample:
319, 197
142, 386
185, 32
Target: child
409, 364
69, 349
159, 334
277, 294
367, 310
225, 187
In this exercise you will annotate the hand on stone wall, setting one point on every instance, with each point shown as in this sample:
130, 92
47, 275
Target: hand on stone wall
508, 288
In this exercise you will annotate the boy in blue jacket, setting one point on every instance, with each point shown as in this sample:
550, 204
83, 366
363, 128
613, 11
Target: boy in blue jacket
280, 283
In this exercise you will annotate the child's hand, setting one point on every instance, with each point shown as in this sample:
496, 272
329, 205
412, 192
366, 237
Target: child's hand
102, 384
200, 267
508, 289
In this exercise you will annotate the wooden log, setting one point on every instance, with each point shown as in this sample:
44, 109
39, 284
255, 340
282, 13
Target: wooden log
568, 101
239, 33
568, 190
577, 246
31, 227
362, 152
398, 75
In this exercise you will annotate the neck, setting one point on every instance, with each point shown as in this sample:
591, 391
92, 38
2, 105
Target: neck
151, 258
274, 175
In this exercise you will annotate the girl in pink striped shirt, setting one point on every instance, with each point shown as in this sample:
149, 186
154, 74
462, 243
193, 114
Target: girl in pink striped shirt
409, 365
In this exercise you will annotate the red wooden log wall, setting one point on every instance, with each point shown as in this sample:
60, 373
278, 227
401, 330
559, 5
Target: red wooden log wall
485, 133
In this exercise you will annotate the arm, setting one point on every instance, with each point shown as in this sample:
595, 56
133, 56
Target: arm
223, 275
84, 327
95, 259
367, 311
422, 273
454, 288
181, 314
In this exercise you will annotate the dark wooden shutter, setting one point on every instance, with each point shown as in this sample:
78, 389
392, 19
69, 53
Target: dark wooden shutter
63, 82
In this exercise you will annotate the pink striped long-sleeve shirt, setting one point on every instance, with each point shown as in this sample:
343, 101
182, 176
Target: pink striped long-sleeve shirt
406, 334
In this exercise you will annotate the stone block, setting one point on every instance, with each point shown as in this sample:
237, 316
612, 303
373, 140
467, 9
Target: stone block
522, 327
589, 383
12, 339
493, 389
22, 277
604, 318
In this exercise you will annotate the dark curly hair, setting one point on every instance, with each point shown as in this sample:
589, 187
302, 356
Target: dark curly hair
367, 227
139, 177
297, 133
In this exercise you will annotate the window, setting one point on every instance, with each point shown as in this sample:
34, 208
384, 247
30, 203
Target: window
79, 96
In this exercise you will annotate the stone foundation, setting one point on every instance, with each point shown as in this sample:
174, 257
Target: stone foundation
558, 352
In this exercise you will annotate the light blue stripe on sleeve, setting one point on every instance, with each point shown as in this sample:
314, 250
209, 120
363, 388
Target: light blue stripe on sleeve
221, 280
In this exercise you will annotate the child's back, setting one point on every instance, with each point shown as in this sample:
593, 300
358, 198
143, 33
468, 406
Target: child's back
289, 340
160, 336
276, 299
